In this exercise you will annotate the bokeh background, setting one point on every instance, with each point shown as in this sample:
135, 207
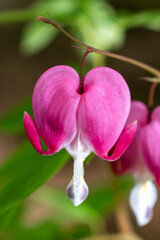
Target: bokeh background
27, 49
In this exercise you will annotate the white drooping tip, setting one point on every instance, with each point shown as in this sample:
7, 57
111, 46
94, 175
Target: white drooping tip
77, 189
142, 199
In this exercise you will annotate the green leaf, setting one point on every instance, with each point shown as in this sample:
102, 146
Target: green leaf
99, 28
79, 232
107, 33
24, 172
14, 16
101, 200
12, 122
35, 37
8, 217
62, 10
107, 196
148, 19
43, 231
59, 201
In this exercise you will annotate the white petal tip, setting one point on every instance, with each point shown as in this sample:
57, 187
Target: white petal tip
145, 219
142, 200
77, 203
80, 195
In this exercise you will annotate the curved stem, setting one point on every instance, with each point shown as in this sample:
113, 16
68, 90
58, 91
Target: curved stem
151, 95
139, 64
82, 71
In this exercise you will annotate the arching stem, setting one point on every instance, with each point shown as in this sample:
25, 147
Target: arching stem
151, 95
88, 48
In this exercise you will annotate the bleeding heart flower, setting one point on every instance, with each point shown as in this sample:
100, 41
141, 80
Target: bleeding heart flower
80, 122
142, 160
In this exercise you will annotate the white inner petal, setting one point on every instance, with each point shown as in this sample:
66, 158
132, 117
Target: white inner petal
77, 174
77, 189
142, 199
78, 147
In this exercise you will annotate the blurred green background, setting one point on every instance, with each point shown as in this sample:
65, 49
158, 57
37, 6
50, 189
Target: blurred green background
28, 48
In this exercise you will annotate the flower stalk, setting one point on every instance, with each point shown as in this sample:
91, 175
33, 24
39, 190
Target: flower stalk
82, 71
151, 95
90, 49
123, 220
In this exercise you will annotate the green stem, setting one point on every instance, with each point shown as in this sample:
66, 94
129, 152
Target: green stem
139, 64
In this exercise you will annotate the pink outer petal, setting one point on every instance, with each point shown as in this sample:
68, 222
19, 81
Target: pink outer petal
32, 134
122, 143
103, 108
150, 142
132, 160
128, 161
55, 102
139, 112
155, 116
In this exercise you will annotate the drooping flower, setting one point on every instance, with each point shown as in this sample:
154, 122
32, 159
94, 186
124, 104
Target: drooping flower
80, 122
142, 160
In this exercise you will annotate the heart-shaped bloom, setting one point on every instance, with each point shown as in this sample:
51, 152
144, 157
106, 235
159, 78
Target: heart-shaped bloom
142, 160
80, 122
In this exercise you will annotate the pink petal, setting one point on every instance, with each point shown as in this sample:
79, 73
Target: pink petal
103, 109
122, 143
150, 142
55, 102
127, 162
139, 112
155, 116
132, 160
32, 134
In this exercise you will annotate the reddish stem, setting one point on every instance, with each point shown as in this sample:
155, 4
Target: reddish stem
151, 95
142, 65
82, 70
